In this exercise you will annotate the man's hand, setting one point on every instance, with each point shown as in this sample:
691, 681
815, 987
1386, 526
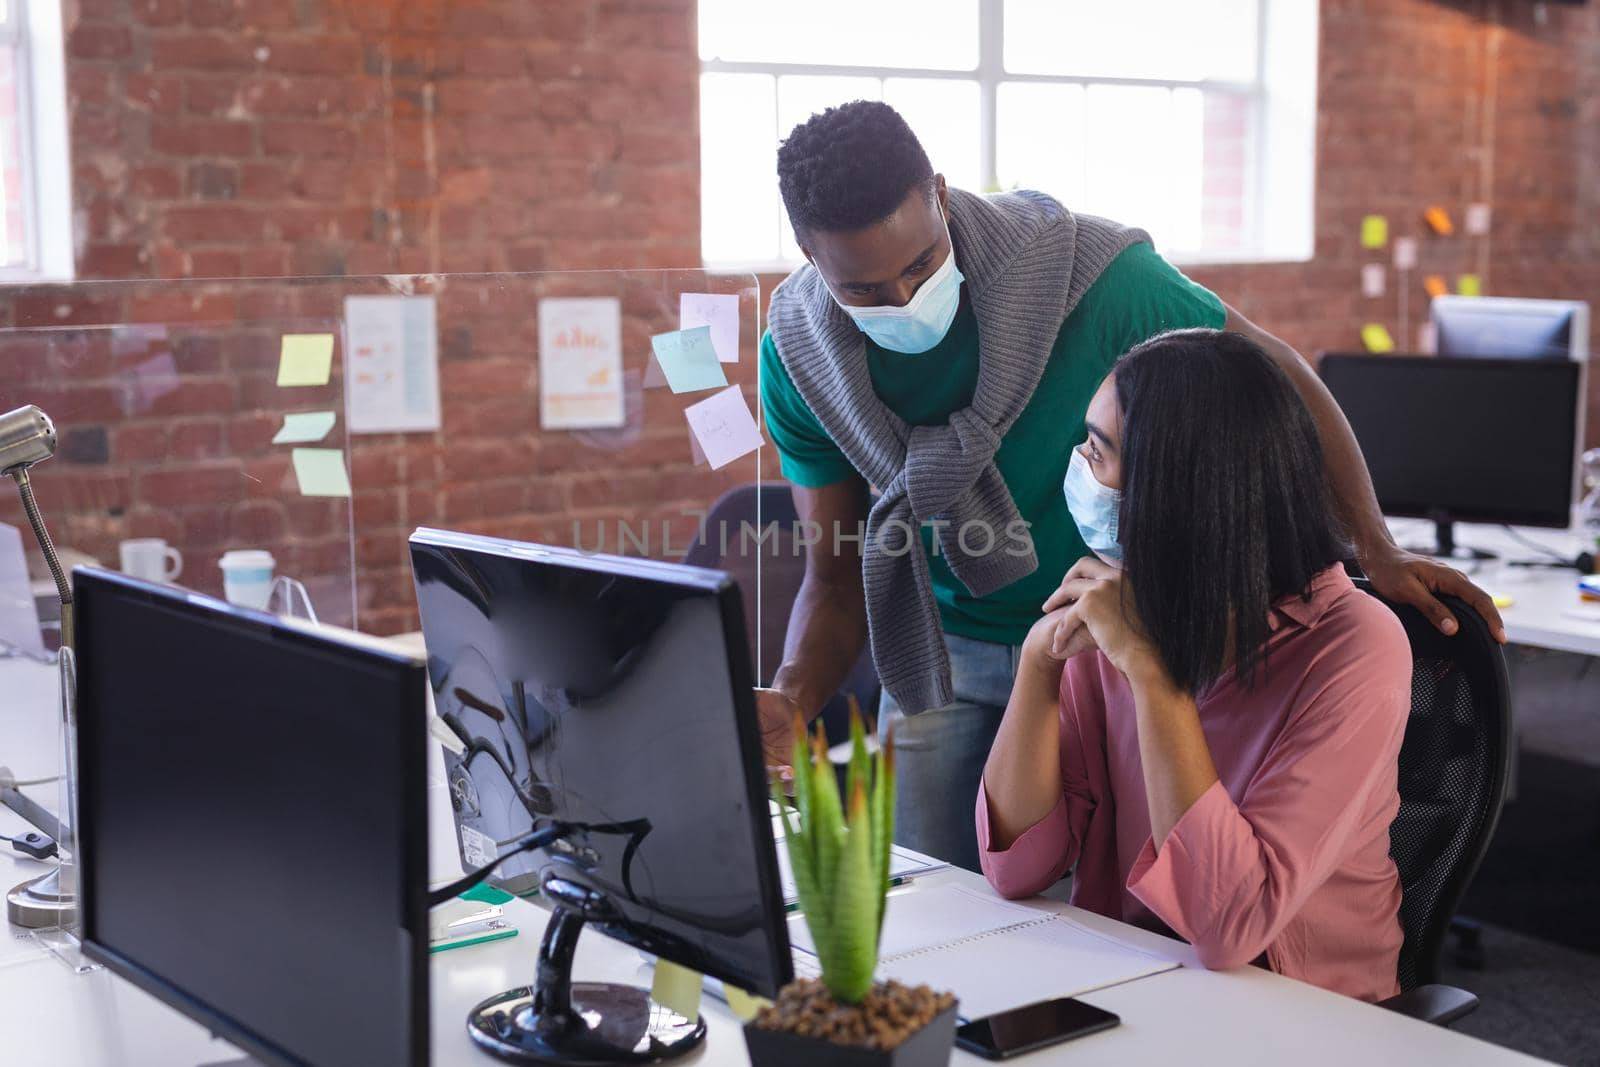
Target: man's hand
1408, 578
776, 711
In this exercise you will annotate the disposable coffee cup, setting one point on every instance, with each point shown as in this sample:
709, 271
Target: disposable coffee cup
247, 577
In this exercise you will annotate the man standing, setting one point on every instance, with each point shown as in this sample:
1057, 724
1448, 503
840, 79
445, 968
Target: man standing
942, 348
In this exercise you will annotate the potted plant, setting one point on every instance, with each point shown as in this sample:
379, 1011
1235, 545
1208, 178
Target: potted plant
840, 854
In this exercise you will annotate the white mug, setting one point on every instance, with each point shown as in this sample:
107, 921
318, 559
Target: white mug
247, 577
150, 558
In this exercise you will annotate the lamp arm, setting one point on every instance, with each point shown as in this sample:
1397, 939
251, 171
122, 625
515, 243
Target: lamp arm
36, 520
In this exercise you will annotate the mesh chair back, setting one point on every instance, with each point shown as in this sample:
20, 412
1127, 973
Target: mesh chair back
1453, 767
757, 522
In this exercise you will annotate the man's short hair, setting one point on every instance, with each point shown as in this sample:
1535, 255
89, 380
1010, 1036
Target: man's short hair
850, 167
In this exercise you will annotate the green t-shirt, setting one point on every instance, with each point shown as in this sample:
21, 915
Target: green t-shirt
1138, 296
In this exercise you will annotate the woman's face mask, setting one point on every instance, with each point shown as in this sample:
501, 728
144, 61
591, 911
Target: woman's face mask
924, 320
1094, 507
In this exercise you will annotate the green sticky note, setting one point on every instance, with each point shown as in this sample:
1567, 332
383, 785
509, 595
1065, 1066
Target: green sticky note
1469, 285
689, 360
304, 427
1376, 338
484, 893
677, 988
1374, 231
320, 472
305, 359
743, 1005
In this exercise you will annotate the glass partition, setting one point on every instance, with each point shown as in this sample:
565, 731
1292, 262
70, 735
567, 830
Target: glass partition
226, 434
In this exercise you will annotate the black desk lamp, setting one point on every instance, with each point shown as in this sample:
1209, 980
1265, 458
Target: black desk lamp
27, 436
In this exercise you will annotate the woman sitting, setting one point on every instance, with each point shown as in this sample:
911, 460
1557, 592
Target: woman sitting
1207, 720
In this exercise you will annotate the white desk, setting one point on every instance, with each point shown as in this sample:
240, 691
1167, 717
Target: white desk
1545, 610
52, 1018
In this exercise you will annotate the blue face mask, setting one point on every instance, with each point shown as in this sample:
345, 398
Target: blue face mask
1094, 508
925, 319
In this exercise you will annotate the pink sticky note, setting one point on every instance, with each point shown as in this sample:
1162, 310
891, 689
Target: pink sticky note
1405, 253
724, 427
718, 311
1372, 279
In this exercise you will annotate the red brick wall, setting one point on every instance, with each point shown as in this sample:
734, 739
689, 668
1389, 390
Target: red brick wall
231, 138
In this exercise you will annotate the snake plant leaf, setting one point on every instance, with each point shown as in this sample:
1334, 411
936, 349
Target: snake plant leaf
825, 825
882, 813
852, 933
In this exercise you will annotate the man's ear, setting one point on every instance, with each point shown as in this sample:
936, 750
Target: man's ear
942, 191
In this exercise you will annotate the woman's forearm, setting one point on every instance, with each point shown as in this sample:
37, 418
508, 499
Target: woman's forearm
1022, 778
1172, 746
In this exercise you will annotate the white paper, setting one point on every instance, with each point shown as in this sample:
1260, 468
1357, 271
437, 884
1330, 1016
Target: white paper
723, 425
718, 311
1053, 958
580, 363
1372, 280
1477, 220
392, 364
19, 615
1405, 253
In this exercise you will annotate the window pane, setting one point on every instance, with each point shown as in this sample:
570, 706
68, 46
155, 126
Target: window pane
1143, 162
937, 34
1224, 220
1039, 139
13, 210
1094, 39
740, 212
944, 116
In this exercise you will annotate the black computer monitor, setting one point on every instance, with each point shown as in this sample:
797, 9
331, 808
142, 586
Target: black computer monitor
610, 698
1475, 440
1498, 327
253, 823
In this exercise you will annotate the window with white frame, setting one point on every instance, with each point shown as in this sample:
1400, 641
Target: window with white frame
35, 181
1195, 121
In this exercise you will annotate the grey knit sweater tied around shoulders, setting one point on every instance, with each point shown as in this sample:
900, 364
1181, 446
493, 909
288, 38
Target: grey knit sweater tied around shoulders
1027, 262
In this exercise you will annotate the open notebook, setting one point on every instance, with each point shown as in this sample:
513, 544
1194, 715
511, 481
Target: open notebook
993, 954
904, 864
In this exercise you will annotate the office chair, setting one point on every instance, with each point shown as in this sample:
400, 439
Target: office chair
782, 567
1454, 763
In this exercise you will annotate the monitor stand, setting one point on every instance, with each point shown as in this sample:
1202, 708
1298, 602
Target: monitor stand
562, 1022
1444, 546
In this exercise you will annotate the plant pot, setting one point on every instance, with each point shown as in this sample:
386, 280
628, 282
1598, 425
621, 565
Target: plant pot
928, 1047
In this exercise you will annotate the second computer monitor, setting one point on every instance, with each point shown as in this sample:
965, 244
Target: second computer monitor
1475, 440
1493, 327
611, 696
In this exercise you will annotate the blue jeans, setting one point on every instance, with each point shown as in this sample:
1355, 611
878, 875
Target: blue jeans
939, 753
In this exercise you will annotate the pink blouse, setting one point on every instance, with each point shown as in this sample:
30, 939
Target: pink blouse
1287, 855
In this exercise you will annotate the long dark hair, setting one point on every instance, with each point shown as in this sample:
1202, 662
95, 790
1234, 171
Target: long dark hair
1225, 504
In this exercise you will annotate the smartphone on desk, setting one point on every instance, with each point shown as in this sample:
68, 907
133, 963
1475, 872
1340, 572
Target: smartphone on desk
1033, 1026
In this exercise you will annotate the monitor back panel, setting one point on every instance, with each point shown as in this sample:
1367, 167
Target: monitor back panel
612, 695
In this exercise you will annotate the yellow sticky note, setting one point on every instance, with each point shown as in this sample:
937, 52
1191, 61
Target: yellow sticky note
305, 359
1374, 231
320, 472
1438, 220
743, 1005
1435, 285
677, 988
1469, 285
1376, 337
1501, 600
